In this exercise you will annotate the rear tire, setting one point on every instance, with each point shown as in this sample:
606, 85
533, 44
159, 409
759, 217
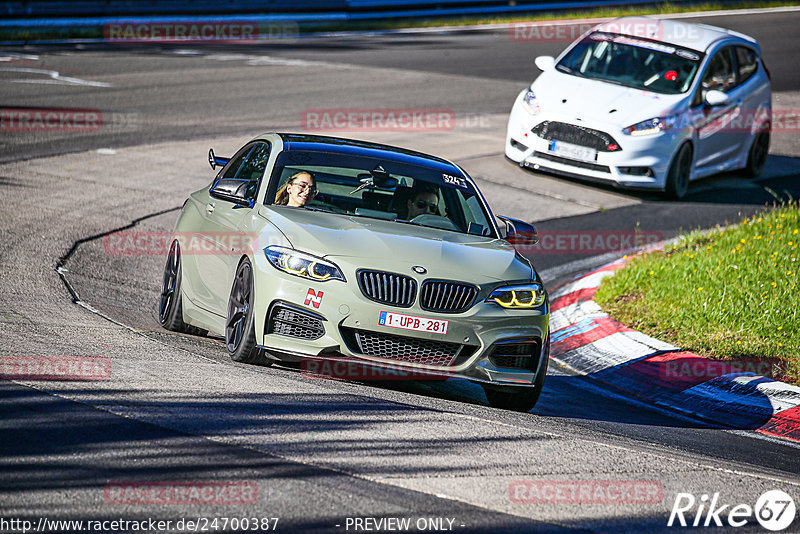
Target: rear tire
240, 332
679, 172
518, 398
757, 155
170, 305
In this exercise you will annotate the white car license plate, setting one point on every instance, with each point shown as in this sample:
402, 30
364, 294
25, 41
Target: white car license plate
573, 151
412, 322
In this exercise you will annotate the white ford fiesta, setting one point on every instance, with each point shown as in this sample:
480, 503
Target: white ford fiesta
648, 104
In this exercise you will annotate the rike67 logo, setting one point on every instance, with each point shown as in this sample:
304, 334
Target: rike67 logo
774, 510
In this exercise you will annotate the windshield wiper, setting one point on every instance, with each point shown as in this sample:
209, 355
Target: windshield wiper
318, 209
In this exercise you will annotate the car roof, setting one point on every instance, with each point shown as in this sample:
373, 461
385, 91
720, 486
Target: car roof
338, 145
699, 37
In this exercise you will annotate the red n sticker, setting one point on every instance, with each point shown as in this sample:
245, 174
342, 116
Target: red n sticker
313, 298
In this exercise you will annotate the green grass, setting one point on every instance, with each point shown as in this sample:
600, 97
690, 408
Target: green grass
656, 8
731, 293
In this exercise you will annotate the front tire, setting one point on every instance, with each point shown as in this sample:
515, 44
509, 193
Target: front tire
170, 304
240, 333
757, 155
679, 172
518, 398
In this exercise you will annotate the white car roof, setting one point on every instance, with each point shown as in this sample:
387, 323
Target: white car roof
698, 37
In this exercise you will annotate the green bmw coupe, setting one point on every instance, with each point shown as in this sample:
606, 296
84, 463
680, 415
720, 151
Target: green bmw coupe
317, 249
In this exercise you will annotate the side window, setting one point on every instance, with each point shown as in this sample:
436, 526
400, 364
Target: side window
747, 61
233, 168
719, 75
242, 177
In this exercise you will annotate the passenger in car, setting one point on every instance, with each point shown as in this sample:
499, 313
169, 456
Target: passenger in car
299, 189
424, 199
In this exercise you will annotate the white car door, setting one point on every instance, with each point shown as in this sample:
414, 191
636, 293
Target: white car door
717, 135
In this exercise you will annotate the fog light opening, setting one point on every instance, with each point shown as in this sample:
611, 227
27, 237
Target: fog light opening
637, 171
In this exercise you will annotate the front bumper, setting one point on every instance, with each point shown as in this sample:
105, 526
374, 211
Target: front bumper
652, 152
488, 344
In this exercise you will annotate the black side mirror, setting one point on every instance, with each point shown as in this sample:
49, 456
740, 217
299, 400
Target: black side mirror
519, 233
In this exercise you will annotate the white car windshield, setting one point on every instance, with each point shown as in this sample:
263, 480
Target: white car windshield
632, 62
383, 189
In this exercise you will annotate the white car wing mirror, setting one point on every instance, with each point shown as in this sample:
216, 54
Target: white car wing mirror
545, 63
717, 98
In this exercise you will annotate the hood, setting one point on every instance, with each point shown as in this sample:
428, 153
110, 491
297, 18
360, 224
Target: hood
392, 246
577, 99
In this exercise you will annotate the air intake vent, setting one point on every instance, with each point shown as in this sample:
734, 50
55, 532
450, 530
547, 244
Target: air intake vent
388, 288
405, 349
517, 355
576, 135
288, 321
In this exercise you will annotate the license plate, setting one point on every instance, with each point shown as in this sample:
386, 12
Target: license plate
412, 322
573, 151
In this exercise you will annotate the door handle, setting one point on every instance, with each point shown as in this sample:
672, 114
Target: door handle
210, 207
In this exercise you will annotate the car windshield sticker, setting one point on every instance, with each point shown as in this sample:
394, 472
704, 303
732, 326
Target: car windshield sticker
687, 55
622, 39
650, 45
454, 180
313, 298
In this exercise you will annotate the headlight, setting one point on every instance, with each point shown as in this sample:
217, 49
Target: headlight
521, 296
530, 102
651, 126
302, 264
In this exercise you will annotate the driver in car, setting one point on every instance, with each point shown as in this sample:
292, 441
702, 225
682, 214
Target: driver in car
424, 199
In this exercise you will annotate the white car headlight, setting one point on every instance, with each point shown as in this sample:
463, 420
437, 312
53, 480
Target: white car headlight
302, 264
518, 296
530, 102
651, 126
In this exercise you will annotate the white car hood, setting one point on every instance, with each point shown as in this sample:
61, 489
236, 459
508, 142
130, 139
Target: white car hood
575, 100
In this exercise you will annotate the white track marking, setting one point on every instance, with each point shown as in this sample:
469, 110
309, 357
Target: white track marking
53, 77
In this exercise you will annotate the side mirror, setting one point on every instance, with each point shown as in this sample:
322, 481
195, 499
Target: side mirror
231, 190
215, 160
717, 98
545, 63
519, 233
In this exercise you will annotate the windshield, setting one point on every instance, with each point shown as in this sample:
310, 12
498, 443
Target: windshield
382, 189
632, 62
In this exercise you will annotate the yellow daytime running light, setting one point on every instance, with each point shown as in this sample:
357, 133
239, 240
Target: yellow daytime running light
313, 273
286, 258
526, 298
508, 304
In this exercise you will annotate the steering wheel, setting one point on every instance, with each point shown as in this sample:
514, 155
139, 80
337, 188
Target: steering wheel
436, 221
